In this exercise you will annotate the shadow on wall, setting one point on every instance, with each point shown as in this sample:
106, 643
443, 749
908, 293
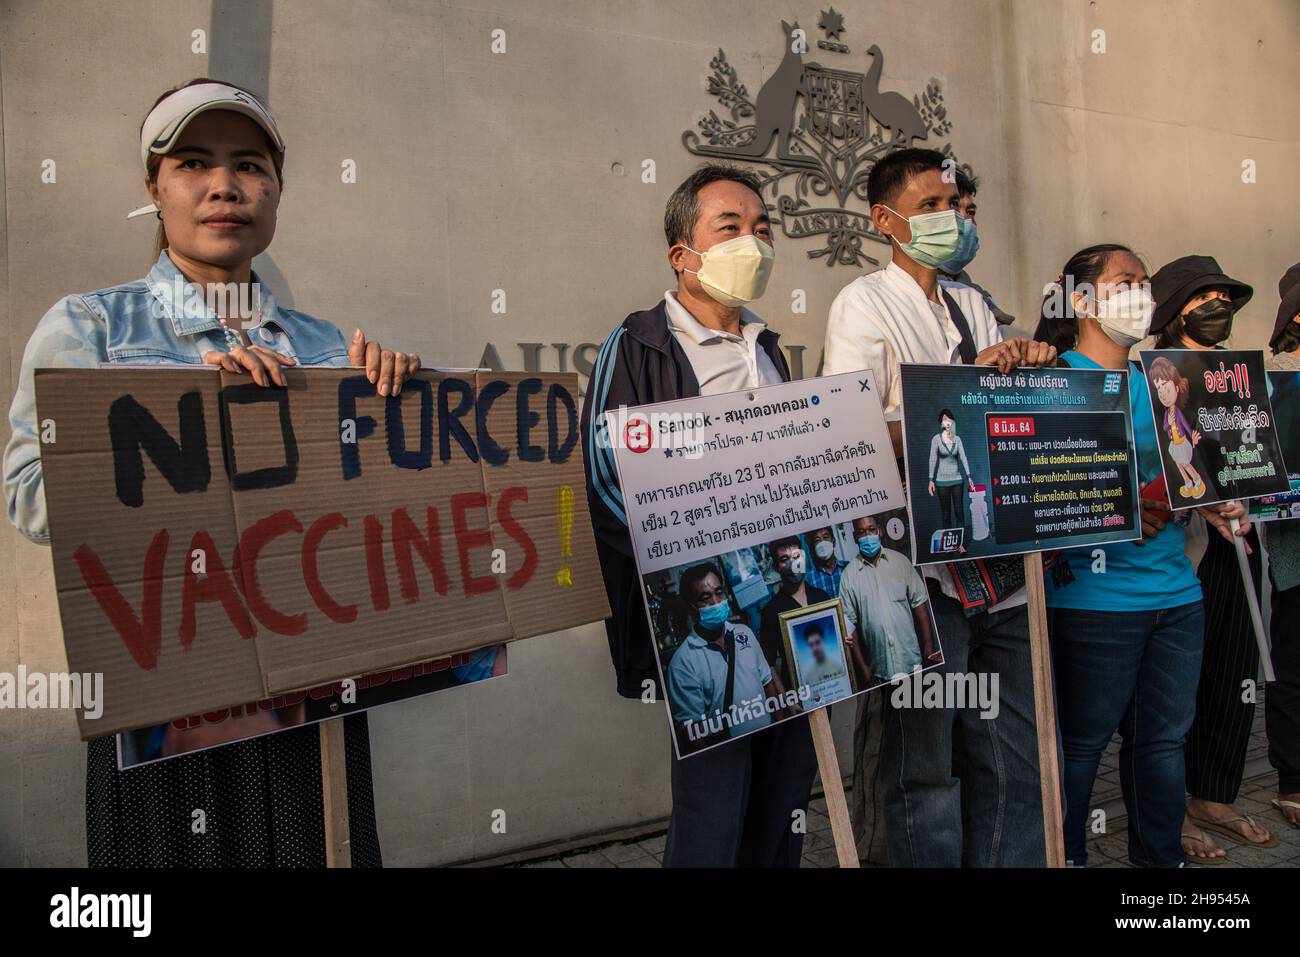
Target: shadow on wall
239, 50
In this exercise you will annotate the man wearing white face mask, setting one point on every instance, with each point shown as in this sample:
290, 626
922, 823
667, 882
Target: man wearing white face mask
906, 312
732, 805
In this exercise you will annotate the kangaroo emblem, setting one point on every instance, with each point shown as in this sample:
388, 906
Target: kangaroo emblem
814, 131
774, 111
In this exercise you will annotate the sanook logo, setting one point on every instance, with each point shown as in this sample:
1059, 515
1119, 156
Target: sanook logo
76, 910
637, 435
947, 540
679, 434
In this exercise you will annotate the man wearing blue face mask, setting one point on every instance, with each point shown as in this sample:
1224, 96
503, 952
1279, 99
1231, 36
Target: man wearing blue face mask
719, 663
885, 607
732, 805
907, 313
954, 268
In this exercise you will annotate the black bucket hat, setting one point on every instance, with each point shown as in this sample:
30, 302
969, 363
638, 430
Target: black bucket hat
1288, 288
1176, 282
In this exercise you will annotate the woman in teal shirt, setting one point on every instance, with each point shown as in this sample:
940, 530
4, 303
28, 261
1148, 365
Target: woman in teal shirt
1126, 620
212, 158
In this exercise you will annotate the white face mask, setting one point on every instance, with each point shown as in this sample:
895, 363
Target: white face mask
1126, 316
824, 549
735, 272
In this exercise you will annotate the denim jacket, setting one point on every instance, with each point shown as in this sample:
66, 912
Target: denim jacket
144, 322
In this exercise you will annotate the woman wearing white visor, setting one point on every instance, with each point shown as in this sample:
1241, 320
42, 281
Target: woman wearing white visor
212, 157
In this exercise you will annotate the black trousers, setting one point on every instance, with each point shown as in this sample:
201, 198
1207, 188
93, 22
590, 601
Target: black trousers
733, 805
952, 506
1282, 699
1220, 733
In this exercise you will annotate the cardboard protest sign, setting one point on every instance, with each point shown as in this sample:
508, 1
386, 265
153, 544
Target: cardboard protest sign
1007, 464
253, 719
1284, 393
218, 542
723, 497
1214, 425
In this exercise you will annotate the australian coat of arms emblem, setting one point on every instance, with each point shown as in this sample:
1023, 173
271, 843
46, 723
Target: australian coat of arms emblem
819, 130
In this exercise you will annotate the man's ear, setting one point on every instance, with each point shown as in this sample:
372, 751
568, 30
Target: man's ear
677, 257
881, 218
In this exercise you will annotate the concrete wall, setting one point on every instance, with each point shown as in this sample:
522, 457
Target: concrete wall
521, 171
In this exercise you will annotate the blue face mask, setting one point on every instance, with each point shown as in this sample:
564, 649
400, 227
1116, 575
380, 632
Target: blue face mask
938, 238
715, 616
968, 244
869, 546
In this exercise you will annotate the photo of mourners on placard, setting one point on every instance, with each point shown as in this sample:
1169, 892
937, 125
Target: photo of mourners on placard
815, 646
732, 666
1215, 425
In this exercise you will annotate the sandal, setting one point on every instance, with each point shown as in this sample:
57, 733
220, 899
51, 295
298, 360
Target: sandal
1194, 859
1282, 805
1221, 827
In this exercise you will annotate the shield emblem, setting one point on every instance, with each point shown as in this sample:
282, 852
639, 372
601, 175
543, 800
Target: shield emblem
834, 109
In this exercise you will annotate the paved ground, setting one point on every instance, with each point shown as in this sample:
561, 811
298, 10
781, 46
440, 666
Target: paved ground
1104, 850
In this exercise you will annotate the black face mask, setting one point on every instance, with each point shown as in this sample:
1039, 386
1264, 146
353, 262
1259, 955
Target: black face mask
1209, 323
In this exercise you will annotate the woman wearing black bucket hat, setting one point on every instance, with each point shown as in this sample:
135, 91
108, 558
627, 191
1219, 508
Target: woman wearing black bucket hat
1282, 538
1195, 306
1195, 303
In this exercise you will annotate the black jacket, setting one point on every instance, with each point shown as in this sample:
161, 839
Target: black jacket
639, 364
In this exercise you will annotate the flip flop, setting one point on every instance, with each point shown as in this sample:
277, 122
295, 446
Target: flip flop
1192, 859
1221, 827
1280, 804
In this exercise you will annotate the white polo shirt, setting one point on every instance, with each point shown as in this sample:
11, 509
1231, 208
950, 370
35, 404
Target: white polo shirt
883, 319
722, 362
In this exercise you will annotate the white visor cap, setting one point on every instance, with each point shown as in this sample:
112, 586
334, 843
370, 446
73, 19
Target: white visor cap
167, 121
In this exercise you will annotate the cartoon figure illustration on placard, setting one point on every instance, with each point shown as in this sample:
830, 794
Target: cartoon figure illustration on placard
950, 475
1172, 388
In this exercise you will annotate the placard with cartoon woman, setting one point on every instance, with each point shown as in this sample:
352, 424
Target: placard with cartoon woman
1215, 425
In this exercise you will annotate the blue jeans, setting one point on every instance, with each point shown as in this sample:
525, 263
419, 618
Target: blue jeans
930, 758
1136, 672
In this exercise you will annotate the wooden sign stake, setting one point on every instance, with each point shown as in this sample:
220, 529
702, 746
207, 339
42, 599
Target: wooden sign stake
837, 808
1049, 769
334, 788
1252, 601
